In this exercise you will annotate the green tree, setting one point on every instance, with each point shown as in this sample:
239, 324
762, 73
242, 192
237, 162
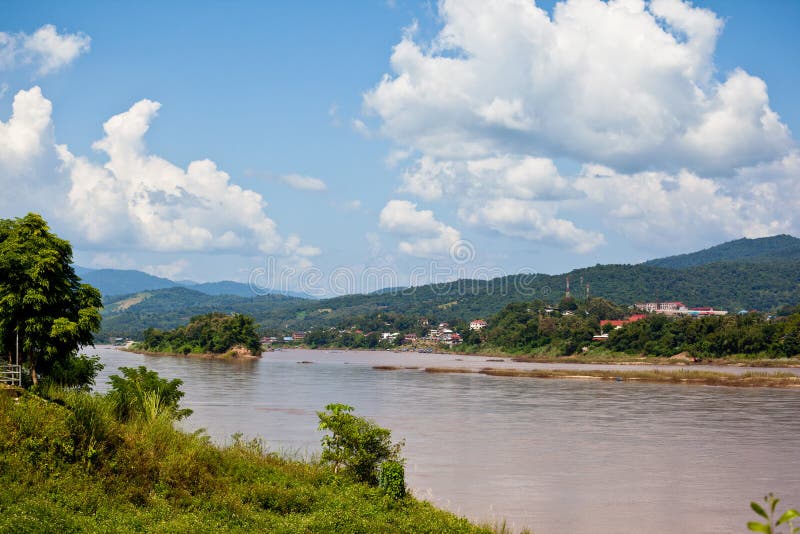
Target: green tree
355, 445
139, 390
42, 302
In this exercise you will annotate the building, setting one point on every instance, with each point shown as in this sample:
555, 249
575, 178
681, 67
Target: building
298, 336
660, 307
477, 324
622, 322
677, 308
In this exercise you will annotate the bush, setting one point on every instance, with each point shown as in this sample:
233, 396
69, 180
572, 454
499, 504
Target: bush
393, 479
356, 445
143, 394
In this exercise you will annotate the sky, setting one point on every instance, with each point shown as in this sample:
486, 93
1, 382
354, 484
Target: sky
337, 147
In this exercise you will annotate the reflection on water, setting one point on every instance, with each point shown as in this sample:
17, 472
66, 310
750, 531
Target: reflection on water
553, 455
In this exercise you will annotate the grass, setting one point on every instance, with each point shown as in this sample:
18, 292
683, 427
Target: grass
678, 376
66, 464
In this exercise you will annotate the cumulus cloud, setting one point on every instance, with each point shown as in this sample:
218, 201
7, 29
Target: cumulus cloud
45, 49
512, 195
521, 177
627, 88
24, 136
533, 221
432, 238
682, 208
624, 83
304, 183
147, 202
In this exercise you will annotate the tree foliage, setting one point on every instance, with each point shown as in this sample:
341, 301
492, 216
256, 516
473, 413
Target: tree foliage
210, 333
43, 304
141, 393
355, 445
751, 334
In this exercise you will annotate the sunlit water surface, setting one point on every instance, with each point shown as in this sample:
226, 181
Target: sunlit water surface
556, 456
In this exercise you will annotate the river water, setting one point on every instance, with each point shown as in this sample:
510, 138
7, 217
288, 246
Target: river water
556, 456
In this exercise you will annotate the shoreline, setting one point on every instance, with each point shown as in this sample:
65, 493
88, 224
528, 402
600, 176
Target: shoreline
651, 372
681, 376
589, 359
230, 355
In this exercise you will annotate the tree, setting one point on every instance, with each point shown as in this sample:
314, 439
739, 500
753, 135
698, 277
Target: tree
356, 445
42, 302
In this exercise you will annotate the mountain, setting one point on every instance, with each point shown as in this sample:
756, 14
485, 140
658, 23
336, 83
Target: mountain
750, 274
114, 282
779, 247
227, 287
122, 282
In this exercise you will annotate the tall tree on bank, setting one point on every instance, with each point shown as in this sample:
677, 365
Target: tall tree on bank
43, 306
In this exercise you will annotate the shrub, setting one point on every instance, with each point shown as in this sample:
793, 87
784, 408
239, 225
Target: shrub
355, 445
143, 394
393, 479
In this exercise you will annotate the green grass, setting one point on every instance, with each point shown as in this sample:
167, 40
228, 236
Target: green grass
66, 464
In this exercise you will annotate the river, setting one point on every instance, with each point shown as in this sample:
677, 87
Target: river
555, 456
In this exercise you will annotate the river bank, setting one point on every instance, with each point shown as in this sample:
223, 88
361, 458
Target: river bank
229, 355
93, 472
581, 456
592, 356
681, 376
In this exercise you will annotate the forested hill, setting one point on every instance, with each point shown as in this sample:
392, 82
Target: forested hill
780, 247
732, 285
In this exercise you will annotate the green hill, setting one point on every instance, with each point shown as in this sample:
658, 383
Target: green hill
763, 285
779, 247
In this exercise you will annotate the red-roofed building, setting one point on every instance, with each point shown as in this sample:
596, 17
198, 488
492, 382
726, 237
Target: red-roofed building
619, 323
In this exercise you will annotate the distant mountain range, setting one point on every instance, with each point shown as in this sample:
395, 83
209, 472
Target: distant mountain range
761, 274
115, 282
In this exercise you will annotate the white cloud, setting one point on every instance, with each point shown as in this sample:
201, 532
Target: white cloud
433, 238
304, 183
167, 270
504, 89
45, 49
107, 260
360, 128
24, 136
145, 201
663, 210
533, 221
624, 83
512, 195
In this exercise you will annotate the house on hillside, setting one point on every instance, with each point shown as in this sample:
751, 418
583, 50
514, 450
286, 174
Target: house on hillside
477, 324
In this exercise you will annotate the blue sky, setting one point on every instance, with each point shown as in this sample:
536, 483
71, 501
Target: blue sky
592, 133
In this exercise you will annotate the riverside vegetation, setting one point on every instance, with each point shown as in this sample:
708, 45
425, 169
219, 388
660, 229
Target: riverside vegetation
77, 462
536, 328
212, 333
